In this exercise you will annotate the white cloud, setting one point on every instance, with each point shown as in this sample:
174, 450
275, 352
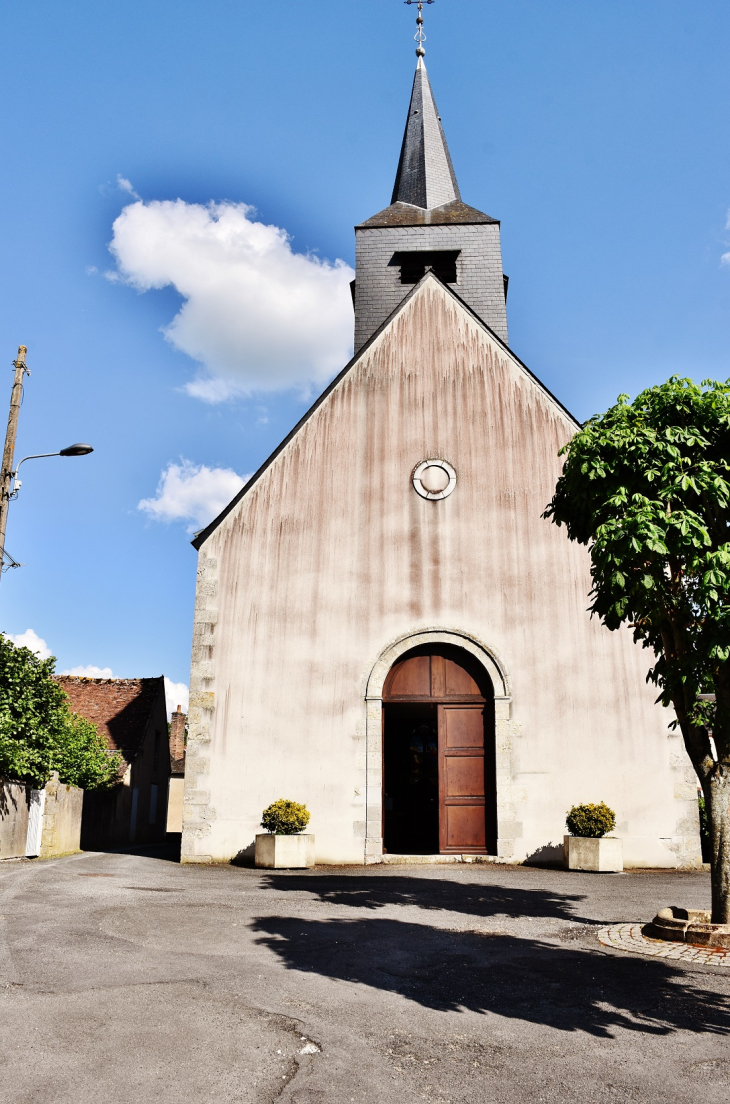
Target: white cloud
125, 185
30, 639
188, 492
725, 259
176, 693
257, 316
89, 671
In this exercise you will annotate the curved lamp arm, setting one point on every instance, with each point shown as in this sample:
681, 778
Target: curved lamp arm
71, 450
36, 456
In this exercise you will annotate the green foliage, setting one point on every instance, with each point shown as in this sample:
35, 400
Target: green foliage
647, 487
591, 821
38, 731
285, 818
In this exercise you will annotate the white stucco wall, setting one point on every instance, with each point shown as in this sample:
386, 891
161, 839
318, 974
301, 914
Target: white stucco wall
176, 787
331, 558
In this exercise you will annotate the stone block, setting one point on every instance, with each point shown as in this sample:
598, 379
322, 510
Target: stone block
196, 797
284, 852
374, 847
601, 856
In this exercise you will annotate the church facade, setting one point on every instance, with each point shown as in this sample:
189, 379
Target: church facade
386, 628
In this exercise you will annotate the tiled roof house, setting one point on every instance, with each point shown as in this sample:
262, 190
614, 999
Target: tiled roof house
131, 715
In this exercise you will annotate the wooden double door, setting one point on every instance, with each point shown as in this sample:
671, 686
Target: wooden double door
438, 754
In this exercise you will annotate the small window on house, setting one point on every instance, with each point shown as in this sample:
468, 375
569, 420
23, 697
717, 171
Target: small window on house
156, 755
414, 266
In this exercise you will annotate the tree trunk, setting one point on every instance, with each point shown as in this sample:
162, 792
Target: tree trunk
716, 788
718, 808
714, 778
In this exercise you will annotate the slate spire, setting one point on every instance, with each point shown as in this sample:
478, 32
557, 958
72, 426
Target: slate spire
425, 176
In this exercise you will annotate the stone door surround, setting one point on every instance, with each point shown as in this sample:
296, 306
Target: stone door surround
497, 672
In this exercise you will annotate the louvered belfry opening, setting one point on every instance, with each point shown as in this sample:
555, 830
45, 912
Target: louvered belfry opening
439, 777
415, 264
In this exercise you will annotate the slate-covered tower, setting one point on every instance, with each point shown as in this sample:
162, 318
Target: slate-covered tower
427, 226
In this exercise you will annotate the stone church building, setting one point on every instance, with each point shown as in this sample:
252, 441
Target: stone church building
386, 628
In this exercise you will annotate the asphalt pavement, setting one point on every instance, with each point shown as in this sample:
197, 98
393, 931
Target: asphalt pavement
129, 978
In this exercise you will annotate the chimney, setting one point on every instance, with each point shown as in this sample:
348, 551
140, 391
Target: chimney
177, 735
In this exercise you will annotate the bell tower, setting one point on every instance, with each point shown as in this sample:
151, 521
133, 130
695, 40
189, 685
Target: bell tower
427, 227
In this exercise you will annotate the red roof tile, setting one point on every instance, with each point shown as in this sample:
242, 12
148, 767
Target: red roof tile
121, 708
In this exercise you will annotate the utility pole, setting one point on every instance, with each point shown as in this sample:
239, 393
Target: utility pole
6, 473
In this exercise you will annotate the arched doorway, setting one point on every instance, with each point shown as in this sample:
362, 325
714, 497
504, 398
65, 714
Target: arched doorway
439, 775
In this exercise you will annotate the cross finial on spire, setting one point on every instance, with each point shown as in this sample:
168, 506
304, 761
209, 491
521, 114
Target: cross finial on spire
425, 176
419, 35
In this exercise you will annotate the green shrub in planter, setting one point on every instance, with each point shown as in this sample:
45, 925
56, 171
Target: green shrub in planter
591, 821
285, 818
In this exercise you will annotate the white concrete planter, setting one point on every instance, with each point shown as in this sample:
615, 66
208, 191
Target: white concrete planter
284, 852
603, 856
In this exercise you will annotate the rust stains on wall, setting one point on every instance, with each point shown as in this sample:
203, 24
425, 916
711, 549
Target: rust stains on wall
330, 555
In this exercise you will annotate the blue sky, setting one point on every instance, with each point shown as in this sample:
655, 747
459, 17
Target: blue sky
597, 131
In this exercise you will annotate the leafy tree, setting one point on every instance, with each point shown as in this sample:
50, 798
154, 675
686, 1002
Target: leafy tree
38, 731
646, 487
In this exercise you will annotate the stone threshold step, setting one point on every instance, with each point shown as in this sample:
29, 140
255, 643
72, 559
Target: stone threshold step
416, 860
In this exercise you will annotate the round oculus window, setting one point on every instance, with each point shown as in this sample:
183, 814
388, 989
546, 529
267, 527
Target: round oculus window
434, 479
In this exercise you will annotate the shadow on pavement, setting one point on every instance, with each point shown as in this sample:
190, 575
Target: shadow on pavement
541, 983
169, 851
476, 899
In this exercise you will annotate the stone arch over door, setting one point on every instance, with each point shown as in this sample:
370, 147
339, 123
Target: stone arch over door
499, 677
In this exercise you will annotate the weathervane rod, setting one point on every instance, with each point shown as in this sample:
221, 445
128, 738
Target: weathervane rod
419, 35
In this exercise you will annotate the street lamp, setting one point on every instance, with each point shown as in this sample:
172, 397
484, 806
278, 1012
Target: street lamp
70, 450
9, 482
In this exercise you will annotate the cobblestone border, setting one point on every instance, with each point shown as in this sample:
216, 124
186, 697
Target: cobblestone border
630, 937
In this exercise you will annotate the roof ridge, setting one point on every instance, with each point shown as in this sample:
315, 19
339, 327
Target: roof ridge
111, 678
408, 214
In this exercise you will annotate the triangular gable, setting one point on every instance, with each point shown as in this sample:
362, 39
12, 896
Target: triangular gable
200, 537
